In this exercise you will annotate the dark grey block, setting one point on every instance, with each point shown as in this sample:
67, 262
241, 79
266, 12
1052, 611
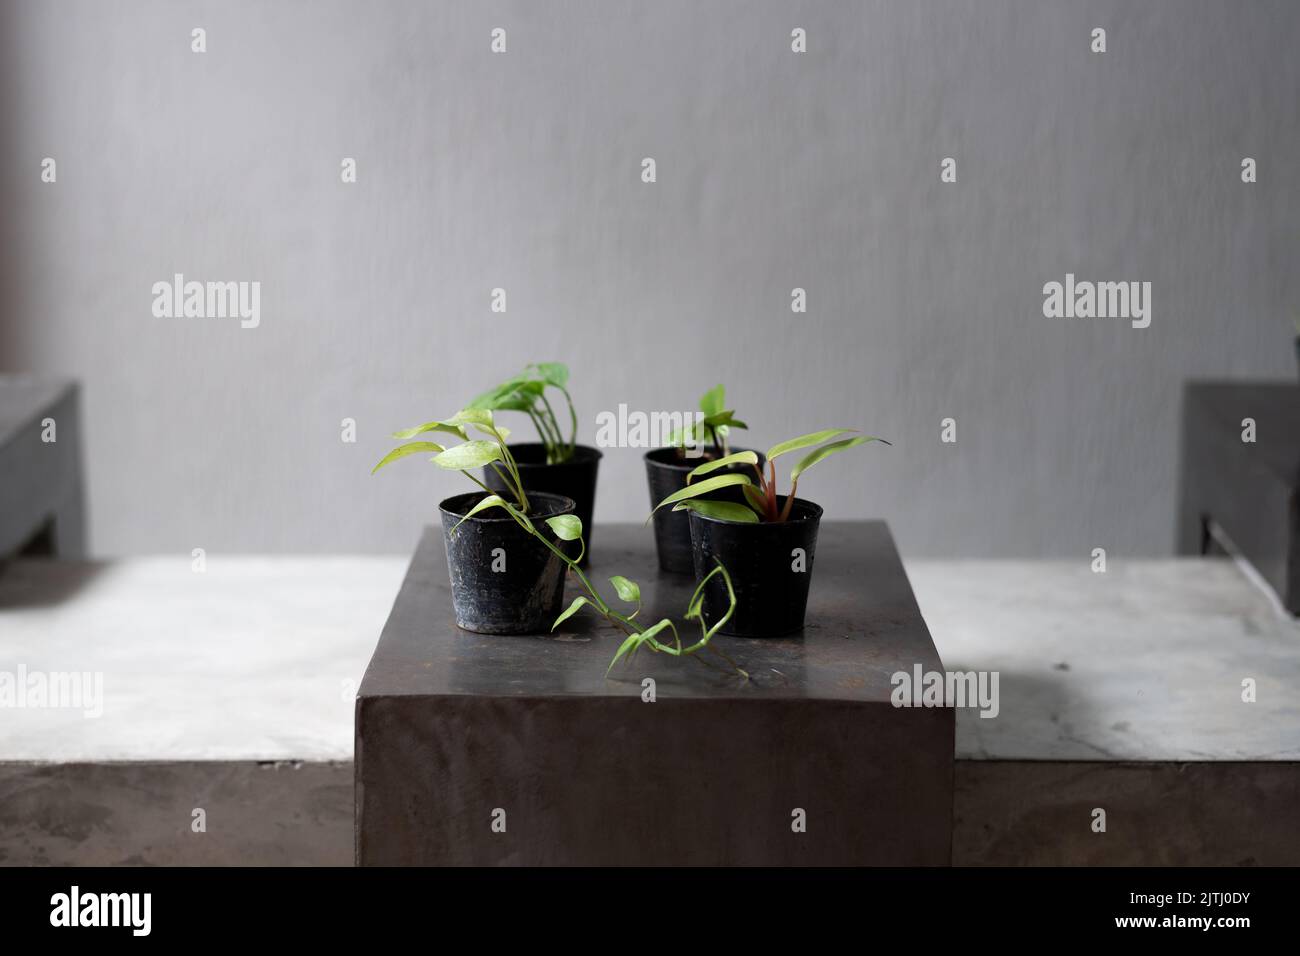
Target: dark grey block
42, 508
1158, 813
1250, 490
133, 813
451, 726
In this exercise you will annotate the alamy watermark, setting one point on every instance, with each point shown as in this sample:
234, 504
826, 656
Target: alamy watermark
53, 690
130, 910
922, 688
1102, 300
179, 299
637, 429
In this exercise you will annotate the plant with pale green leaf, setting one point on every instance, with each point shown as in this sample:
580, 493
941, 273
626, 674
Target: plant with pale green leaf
470, 453
762, 503
493, 452
526, 392
712, 428
661, 637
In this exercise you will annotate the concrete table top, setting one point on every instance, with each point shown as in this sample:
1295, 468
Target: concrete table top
257, 658
1142, 662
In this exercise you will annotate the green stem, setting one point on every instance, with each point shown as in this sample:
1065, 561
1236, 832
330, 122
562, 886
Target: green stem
477, 482
541, 433
509, 459
555, 425
573, 422
629, 626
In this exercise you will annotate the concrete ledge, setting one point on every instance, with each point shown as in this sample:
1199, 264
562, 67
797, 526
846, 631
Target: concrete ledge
133, 814
1120, 690
1024, 813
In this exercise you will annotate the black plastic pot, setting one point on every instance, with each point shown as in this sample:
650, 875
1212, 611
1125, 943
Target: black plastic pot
575, 479
666, 473
771, 591
503, 580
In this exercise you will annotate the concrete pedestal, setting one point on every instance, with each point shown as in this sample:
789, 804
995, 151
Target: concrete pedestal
42, 508
456, 732
1249, 489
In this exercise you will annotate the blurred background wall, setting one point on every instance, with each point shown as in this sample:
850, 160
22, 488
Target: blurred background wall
522, 171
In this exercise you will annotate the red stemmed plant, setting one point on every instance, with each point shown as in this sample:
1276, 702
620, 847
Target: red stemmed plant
761, 497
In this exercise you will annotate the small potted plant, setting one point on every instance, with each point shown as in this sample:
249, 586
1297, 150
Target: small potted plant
667, 469
552, 464
662, 637
506, 578
767, 543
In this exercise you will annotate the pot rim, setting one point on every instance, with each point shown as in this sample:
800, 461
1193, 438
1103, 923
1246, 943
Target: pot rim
595, 454
674, 466
563, 505
813, 509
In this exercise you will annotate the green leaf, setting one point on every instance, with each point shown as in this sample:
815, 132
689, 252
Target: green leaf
472, 416
711, 402
755, 499
410, 448
552, 373
721, 420
826, 450
496, 431
571, 610
628, 591
491, 501
682, 436
803, 441
654, 629
722, 510
633, 640
566, 527
472, 454
737, 458
703, 488
516, 395
449, 427
696, 607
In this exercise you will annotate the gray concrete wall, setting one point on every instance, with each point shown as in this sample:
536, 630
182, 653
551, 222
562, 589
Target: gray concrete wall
521, 171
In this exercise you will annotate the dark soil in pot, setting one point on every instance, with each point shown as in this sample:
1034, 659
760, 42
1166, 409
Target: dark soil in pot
769, 575
666, 472
575, 478
503, 580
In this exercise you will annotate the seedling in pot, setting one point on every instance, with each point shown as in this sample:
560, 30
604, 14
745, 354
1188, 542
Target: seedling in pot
523, 595
526, 392
711, 430
655, 636
471, 453
762, 502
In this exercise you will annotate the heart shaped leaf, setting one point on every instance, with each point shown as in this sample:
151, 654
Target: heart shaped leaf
471, 454
566, 527
569, 611
410, 448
